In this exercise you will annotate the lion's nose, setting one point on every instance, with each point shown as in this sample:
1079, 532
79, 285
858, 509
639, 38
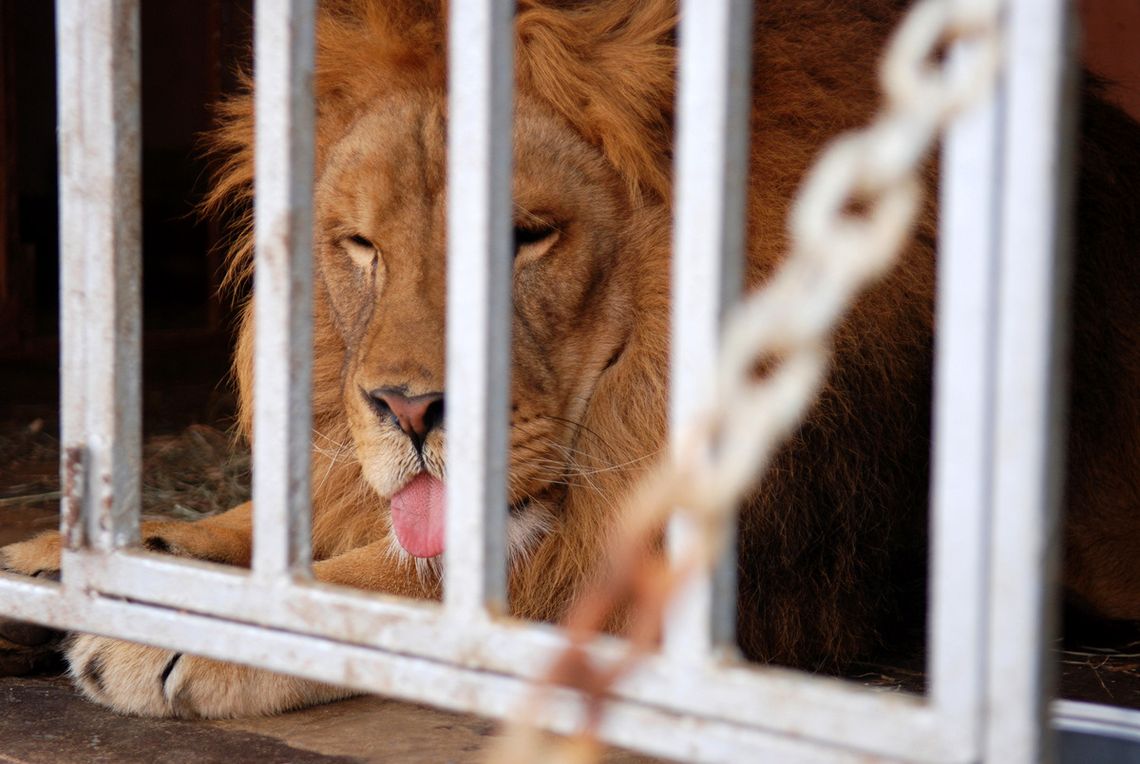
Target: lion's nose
416, 415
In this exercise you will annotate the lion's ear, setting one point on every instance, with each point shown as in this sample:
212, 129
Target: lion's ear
608, 68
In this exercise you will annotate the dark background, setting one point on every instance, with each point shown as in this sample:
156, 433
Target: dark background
191, 51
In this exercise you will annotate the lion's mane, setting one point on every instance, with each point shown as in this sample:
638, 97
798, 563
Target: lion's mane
833, 523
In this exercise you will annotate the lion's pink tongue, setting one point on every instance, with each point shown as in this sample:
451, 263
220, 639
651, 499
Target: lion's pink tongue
418, 516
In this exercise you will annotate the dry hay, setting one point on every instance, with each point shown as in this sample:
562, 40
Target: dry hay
195, 473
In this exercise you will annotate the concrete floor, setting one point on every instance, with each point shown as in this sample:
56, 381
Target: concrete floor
44, 721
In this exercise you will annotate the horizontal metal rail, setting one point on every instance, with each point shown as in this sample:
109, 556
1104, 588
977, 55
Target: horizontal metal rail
1094, 719
778, 702
791, 703
413, 679
767, 697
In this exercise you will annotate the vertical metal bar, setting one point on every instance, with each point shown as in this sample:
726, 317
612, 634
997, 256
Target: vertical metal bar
283, 221
478, 301
69, 17
711, 173
1032, 344
964, 379
98, 102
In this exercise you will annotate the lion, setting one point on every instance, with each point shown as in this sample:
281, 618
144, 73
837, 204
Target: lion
832, 545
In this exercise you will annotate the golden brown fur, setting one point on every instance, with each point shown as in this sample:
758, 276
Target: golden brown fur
606, 71
832, 545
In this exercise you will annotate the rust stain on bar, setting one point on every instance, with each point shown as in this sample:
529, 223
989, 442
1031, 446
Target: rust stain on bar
71, 508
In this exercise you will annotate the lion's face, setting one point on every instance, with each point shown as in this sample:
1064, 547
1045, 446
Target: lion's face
380, 238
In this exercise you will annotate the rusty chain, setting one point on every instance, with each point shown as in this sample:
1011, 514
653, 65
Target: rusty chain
848, 224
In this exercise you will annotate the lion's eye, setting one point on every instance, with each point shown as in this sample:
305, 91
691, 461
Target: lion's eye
361, 249
534, 240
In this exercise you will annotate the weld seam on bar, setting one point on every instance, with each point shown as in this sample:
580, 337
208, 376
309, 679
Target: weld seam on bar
100, 241
478, 303
283, 272
708, 264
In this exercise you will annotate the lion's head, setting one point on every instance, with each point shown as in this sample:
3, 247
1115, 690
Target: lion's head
591, 230
379, 225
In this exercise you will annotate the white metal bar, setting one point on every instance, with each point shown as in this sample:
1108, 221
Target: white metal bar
100, 243
711, 173
964, 378
481, 52
833, 711
1031, 345
70, 28
283, 219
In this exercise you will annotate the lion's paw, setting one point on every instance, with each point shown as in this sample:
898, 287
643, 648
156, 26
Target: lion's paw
37, 556
27, 648
148, 681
